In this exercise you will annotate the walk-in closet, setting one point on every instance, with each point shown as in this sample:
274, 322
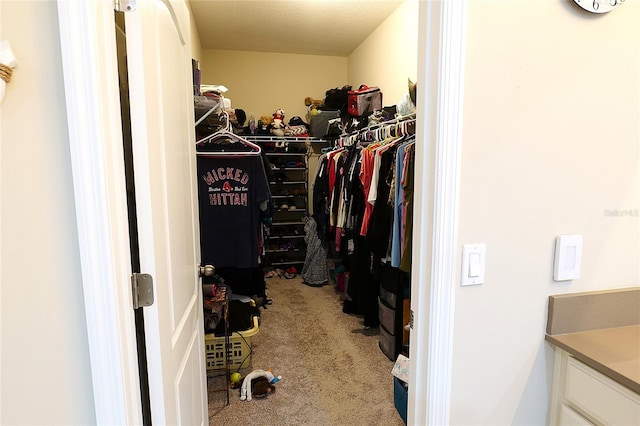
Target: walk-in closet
514, 127
305, 156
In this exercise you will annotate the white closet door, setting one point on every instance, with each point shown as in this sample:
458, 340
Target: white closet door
159, 63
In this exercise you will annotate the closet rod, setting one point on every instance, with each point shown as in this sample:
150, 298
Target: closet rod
270, 138
352, 137
399, 119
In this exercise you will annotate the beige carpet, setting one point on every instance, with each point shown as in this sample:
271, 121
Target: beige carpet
333, 372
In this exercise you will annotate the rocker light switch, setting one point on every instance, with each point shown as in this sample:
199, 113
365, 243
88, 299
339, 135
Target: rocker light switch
473, 260
474, 265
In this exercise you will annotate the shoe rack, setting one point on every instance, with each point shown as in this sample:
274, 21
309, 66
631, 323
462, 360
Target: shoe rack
287, 159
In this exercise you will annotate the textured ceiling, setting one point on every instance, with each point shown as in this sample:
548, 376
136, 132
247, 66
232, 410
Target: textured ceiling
314, 27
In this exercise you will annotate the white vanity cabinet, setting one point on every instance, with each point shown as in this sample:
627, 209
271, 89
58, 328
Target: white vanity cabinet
584, 396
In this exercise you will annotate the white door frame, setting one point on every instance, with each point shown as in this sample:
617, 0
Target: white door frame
87, 33
92, 95
441, 33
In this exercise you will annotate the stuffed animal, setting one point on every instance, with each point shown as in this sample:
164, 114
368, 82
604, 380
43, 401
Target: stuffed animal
313, 103
407, 105
246, 388
264, 125
277, 123
261, 387
413, 87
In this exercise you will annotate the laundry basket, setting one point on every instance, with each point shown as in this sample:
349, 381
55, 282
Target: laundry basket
240, 349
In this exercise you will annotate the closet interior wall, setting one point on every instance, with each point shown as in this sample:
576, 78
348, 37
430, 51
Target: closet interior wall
261, 81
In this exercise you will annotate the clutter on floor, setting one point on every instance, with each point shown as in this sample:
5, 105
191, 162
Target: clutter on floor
258, 383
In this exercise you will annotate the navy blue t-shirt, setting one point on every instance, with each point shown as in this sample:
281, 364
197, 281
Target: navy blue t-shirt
230, 192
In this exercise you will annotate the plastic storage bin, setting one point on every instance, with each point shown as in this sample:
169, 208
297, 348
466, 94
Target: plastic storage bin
387, 344
319, 122
388, 297
387, 317
240, 349
400, 391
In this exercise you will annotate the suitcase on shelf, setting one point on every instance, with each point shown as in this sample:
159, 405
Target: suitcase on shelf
364, 101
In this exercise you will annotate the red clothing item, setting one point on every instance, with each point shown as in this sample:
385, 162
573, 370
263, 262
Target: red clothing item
366, 174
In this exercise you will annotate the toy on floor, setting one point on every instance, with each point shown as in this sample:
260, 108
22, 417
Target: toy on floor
261, 387
248, 385
235, 378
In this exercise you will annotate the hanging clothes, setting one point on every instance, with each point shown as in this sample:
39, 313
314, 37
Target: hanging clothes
233, 192
397, 200
367, 192
314, 271
366, 176
320, 197
378, 234
234, 199
407, 218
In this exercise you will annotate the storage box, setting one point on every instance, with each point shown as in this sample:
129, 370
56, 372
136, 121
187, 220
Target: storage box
387, 343
319, 122
400, 396
240, 349
364, 101
388, 297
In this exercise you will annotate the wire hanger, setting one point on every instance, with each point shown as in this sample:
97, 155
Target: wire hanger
225, 134
400, 126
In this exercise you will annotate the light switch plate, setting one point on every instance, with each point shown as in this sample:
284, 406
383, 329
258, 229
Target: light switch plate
473, 261
568, 257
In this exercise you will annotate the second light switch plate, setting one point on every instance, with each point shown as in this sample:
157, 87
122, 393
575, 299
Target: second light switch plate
473, 261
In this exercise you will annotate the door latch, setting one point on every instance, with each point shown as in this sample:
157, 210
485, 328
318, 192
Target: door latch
142, 290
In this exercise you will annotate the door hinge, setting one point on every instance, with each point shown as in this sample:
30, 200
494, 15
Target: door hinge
411, 319
142, 288
124, 5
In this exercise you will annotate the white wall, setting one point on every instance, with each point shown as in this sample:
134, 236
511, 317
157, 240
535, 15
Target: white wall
550, 143
45, 360
389, 56
261, 82
196, 47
